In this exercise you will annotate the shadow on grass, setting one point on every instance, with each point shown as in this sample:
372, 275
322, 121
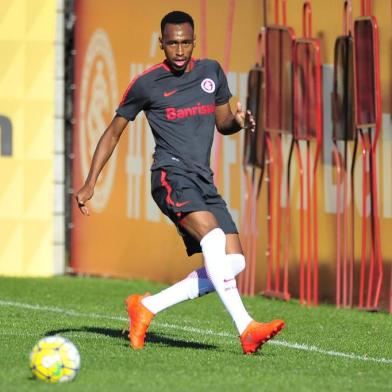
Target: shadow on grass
121, 334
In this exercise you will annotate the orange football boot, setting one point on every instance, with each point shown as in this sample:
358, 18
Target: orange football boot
256, 334
139, 320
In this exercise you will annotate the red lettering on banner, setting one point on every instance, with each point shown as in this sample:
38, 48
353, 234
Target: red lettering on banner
199, 109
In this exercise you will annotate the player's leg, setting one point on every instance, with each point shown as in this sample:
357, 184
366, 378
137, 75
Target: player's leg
204, 228
214, 243
175, 194
252, 334
196, 284
202, 225
255, 334
142, 309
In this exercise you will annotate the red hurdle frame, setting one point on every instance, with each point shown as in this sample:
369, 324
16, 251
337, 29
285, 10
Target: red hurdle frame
343, 119
368, 123
308, 128
278, 97
253, 171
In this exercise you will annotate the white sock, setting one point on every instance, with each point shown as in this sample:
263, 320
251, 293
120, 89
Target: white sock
194, 285
213, 245
203, 285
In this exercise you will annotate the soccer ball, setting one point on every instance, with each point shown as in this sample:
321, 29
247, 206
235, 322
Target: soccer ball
54, 359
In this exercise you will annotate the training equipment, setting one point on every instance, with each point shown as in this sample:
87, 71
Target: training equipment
54, 359
256, 334
139, 320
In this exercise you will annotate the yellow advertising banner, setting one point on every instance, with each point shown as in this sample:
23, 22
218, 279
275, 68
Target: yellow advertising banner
27, 96
126, 235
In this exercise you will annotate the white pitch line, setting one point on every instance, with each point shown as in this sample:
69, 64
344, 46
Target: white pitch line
295, 346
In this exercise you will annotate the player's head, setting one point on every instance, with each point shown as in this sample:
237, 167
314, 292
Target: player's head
177, 39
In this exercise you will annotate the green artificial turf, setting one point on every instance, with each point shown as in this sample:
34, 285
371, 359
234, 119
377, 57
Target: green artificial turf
190, 347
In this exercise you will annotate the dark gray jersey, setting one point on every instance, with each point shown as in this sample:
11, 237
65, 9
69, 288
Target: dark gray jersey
180, 110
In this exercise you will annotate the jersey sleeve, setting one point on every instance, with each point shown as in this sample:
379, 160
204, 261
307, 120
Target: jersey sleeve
134, 100
223, 93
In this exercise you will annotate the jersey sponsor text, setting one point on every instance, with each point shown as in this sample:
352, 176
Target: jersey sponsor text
197, 110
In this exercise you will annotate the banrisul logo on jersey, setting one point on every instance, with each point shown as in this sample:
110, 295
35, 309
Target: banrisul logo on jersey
197, 110
208, 85
98, 101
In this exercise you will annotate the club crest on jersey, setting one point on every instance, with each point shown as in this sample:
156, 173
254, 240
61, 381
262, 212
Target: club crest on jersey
208, 85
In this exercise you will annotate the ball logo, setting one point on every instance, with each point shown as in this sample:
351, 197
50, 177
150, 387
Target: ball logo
208, 85
98, 101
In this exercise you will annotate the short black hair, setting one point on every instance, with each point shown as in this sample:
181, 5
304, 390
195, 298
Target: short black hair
176, 17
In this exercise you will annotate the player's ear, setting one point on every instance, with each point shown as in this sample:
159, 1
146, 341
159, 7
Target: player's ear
194, 40
160, 42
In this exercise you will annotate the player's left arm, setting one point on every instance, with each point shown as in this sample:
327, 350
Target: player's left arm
228, 122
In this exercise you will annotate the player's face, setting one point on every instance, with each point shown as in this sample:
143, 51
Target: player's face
177, 42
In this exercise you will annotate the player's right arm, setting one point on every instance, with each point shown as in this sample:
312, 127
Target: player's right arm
103, 151
134, 100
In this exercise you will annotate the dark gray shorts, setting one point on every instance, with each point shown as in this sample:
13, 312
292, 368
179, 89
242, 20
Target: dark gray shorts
178, 192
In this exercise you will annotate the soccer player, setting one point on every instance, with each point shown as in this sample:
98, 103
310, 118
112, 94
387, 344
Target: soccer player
184, 99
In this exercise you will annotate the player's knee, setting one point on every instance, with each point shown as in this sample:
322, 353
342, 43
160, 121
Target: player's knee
199, 224
237, 262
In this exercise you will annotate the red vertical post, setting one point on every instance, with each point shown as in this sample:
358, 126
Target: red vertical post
278, 214
309, 232
390, 294
352, 219
287, 238
319, 122
338, 225
364, 228
301, 226
270, 213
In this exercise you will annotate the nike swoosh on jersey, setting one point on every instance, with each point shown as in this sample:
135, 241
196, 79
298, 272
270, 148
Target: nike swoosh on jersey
182, 203
169, 93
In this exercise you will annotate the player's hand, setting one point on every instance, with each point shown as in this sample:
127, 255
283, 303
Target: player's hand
83, 195
245, 119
